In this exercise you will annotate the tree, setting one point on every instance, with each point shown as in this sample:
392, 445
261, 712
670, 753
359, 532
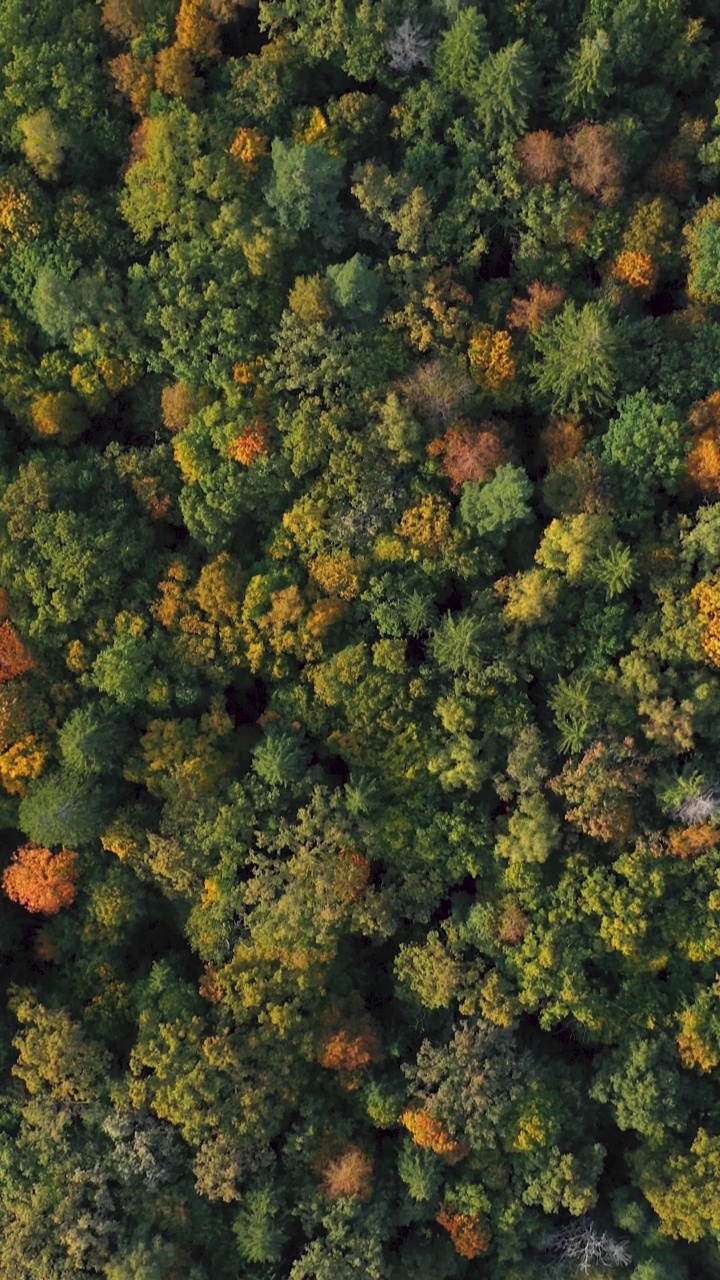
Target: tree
355, 288
579, 364
541, 155
349, 1176
587, 75
469, 454
595, 163
585, 1247
43, 143
408, 47
64, 808
469, 1083
15, 659
505, 88
645, 442
459, 53
40, 880
305, 185
492, 509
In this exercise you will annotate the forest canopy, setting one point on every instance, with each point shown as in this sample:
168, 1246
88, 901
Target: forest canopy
359, 639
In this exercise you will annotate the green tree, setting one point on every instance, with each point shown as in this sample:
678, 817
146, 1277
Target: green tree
496, 507
579, 359
305, 185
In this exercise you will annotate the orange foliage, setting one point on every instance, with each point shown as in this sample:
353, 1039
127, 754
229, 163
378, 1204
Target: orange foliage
350, 1176
541, 156
425, 1131
247, 147
348, 1049
562, 439
196, 31
40, 880
250, 445
14, 658
323, 615
178, 405
531, 312
470, 454
490, 358
636, 269
689, 842
594, 162
703, 461
175, 75
135, 78
470, 1236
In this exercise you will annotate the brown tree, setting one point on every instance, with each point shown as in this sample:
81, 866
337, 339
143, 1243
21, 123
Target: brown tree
595, 163
349, 1175
541, 156
470, 454
529, 313
179, 404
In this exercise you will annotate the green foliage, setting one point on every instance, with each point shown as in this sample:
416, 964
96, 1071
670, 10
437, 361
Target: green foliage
645, 442
493, 509
305, 186
64, 808
579, 359
359, 554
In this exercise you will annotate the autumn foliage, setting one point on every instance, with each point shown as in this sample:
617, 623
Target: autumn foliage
531, 312
349, 1175
250, 445
595, 165
15, 660
179, 404
706, 598
469, 1234
40, 880
636, 269
562, 439
703, 461
247, 147
426, 1131
541, 155
470, 454
690, 842
490, 358
347, 1046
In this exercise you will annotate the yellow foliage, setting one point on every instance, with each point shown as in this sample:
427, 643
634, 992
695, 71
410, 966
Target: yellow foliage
22, 763
490, 356
426, 526
18, 220
336, 573
530, 597
247, 147
706, 598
